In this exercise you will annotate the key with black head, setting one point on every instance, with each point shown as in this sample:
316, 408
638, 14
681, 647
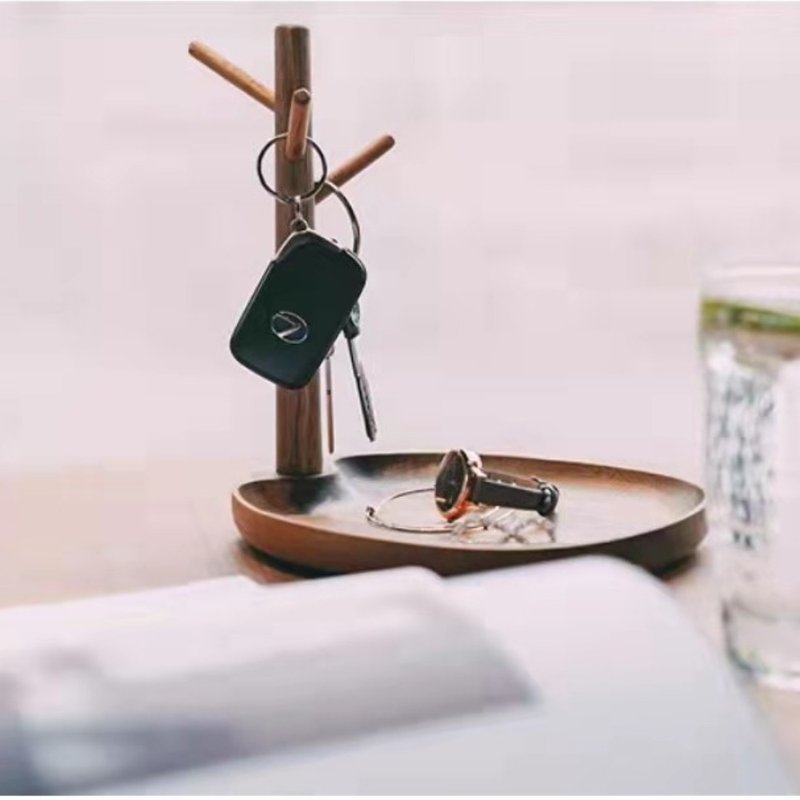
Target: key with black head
351, 331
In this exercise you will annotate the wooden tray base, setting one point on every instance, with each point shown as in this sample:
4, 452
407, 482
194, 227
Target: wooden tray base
651, 520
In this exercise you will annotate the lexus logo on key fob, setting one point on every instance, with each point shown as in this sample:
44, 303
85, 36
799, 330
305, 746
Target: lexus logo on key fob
320, 282
289, 327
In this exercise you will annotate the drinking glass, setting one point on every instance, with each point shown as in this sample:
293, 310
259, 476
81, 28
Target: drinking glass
750, 334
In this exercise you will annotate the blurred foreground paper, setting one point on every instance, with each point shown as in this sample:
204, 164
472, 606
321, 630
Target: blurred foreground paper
99, 691
578, 677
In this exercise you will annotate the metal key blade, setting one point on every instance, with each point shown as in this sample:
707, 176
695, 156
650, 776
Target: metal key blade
364, 396
329, 401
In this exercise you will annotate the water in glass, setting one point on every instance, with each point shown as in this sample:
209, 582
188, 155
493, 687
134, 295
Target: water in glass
750, 324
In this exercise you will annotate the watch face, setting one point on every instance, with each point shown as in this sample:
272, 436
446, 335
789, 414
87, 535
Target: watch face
450, 481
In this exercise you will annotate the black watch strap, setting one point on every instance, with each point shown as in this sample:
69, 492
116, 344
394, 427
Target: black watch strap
497, 489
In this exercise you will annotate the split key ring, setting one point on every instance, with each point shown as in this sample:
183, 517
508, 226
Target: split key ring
287, 198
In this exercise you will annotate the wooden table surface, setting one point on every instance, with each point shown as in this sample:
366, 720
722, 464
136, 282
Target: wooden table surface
91, 530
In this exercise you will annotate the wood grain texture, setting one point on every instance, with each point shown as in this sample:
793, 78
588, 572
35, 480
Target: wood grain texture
298, 423
651, 520
97, 529
299, 121
357, 164
233, 74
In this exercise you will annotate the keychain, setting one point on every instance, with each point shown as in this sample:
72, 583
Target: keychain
302, 302
307, 296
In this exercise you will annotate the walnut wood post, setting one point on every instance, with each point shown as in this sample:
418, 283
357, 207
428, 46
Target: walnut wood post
298, 431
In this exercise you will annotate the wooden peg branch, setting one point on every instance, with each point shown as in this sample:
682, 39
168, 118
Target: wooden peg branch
358, 163
248, 84
233, 74
299, 120
298, 418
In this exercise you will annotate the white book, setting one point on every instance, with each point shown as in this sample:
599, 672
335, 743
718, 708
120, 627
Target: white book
578, 677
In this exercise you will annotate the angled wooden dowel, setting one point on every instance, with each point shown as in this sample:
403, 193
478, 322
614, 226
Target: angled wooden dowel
233, 74
297, 129
248, 84
358, 163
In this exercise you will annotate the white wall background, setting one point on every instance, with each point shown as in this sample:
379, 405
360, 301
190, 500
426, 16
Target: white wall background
536, 239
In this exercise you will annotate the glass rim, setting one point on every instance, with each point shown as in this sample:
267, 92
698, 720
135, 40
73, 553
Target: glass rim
753, 272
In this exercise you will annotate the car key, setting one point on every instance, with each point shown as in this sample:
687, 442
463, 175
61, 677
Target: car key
298, 309
352, 328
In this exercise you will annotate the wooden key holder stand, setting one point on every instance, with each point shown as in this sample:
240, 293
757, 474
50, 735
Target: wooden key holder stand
317, 520
298, 418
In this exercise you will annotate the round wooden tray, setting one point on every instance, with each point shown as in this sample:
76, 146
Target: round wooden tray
651, 520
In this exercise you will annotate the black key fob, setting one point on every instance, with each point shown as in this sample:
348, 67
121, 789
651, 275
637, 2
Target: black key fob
298, 309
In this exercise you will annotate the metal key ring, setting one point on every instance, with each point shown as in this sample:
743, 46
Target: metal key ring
354, 223
287, 198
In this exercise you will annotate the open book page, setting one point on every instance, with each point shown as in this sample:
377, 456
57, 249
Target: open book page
115, 689
629, 700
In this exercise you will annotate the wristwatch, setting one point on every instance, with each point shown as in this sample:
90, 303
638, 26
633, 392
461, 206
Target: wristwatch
463, 485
